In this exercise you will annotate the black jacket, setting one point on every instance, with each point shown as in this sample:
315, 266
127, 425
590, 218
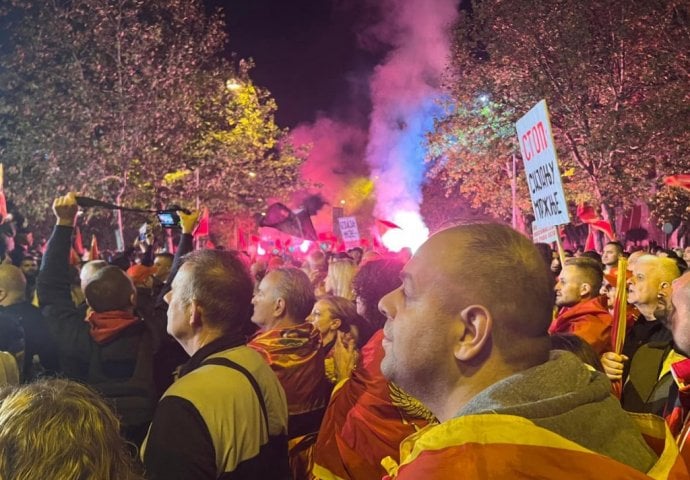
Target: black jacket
121, 368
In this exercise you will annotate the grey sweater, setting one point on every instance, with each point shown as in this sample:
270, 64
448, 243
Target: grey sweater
565, 397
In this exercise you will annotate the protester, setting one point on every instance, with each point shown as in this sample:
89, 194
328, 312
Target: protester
292, 347
373, 280
675, 301
40, 355
648, 274
467, 335
110, 348
338, 282
367, 416
337, 321
581, 311
226, 416
609, 256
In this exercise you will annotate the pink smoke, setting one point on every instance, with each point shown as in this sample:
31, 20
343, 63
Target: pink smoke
403, 91
335, 148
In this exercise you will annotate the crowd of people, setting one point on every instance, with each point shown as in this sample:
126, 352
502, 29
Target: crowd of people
481, 356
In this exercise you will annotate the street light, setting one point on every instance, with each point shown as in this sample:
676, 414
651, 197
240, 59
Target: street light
233, 84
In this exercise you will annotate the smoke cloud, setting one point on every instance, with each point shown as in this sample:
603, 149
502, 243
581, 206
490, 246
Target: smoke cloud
403, 90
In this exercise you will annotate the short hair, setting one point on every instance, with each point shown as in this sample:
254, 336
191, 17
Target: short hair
618, 245
166, 255
375, 279
89, 269
60, 429
581, 349
109, 289
29, 256
590, 270
220, 282
591, 254
294, 287
12, 280
664, 268
501, 269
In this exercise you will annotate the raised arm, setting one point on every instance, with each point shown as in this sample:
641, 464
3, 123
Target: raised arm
53, 284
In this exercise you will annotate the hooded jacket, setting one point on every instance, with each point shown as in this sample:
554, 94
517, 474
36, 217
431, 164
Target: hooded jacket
555, 420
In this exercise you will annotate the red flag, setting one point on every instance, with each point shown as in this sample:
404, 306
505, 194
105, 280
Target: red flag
202, 228
681, 180
587, 215
78, 242
384, 225
74, 257
94, 254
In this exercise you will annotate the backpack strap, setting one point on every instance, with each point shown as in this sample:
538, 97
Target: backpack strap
236, 366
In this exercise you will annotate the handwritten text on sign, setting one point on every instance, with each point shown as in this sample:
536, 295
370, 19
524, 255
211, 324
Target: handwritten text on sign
541, 167
348, 229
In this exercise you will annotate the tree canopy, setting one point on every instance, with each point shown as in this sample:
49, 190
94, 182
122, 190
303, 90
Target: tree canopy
119, 99
614, 74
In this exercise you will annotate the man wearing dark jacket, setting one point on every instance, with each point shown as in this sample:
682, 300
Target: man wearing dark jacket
226, 416
39, 343
111, 349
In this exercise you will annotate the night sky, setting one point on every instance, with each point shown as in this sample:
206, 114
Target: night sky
306, 53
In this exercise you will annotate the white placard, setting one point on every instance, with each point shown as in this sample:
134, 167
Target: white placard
544, 235
541, 167
348, 229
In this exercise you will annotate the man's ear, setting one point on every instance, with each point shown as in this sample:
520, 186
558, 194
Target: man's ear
585, 290
279, 307
3, 294
477, 326
196, 314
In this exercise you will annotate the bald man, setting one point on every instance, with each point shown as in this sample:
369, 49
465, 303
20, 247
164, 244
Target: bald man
466, 334
649, 274
649, 344
109, 346
40, 345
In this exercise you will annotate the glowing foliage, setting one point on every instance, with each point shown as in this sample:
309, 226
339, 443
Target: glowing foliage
616, 77
111, 98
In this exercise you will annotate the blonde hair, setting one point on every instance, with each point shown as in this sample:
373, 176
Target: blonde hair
341, 272
60, 429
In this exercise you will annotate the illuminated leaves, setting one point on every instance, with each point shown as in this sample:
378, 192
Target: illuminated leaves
114, 98
615, 76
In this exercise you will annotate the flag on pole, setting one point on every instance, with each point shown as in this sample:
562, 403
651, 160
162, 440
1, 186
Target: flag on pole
3, 200
587, 215
620, 316
78, 242
202, 229
297, 224
94, 254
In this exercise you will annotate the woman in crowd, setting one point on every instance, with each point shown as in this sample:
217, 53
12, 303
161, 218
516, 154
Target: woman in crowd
337, 320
